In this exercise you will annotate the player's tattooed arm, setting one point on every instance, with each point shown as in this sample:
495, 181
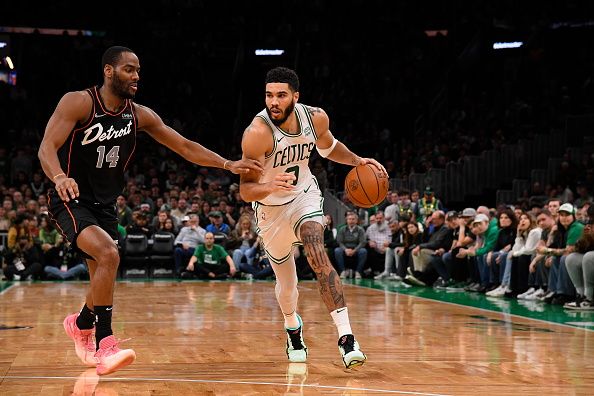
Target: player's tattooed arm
314, 110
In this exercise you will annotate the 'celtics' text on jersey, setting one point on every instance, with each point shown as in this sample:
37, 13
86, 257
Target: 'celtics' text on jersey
290, 154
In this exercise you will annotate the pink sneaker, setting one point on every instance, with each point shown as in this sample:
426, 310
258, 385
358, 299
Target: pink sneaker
83, 340
111, 358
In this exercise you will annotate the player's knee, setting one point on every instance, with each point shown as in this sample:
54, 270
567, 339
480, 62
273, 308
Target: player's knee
312, 234
110, 256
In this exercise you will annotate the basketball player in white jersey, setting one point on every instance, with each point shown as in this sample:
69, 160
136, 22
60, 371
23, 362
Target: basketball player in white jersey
288, 203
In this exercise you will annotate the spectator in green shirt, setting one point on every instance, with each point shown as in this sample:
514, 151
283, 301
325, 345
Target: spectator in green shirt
487, 233
568, 232
210, 261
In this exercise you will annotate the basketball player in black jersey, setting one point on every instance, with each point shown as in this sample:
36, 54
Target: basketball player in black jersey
88, 143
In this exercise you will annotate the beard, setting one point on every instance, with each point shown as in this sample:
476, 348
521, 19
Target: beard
121, 88
286, 113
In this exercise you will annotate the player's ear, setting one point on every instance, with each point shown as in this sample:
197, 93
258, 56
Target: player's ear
296, 96
108, 71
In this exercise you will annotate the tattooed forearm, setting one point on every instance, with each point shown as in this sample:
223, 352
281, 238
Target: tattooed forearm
328, 280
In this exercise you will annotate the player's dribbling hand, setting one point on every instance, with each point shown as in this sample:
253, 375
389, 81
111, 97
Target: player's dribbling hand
363, 161
282, 182
66, 188
244, 166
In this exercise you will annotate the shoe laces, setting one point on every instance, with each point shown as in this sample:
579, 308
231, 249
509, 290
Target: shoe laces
115, 347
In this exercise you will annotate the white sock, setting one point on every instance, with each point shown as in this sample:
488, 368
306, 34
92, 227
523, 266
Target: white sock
341, 320
291, 321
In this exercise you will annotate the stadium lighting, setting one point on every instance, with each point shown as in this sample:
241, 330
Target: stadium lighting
9, 62
505, 45
274, 52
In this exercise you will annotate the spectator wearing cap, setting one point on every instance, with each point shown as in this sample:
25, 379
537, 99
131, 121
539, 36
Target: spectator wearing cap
487, 234
580, 266
560, 288
217, 225
427, 205
124, 212
190, 236
406, 207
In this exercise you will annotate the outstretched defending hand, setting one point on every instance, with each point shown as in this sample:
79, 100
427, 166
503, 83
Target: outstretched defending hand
244, 166
66, 188
363, 161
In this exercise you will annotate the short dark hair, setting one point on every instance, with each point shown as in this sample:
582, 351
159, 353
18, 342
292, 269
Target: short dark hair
112, 55
546, 212
283, 75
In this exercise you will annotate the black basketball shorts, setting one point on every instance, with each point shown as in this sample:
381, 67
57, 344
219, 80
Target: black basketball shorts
70, 218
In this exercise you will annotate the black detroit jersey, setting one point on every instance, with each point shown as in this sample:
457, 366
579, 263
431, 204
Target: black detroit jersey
98, 151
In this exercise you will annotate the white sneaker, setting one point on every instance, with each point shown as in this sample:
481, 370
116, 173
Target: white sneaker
499, 292
352, 356
526, 293
536, 295
358, 275
489, 293
343, 275
296, 348
547, 295
382, 275
394, 277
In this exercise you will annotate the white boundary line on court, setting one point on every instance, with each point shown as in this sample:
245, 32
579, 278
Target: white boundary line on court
138, 379
473, 307
8, 288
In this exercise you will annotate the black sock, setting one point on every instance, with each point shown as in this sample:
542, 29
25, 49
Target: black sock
103, 325
86, 318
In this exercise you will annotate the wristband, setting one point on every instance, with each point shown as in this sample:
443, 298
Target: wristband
225, 164
59, 174
326, 152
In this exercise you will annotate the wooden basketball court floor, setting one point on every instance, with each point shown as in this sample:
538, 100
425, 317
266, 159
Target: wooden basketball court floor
227, 338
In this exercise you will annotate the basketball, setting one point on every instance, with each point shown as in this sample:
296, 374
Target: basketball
366, 186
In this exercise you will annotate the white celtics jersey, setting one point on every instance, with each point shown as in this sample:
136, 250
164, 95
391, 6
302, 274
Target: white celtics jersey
290, 154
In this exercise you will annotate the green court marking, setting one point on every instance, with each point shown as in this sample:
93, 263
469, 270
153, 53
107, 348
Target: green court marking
528, 309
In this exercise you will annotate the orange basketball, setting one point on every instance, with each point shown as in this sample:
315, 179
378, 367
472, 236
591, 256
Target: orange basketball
366, 186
